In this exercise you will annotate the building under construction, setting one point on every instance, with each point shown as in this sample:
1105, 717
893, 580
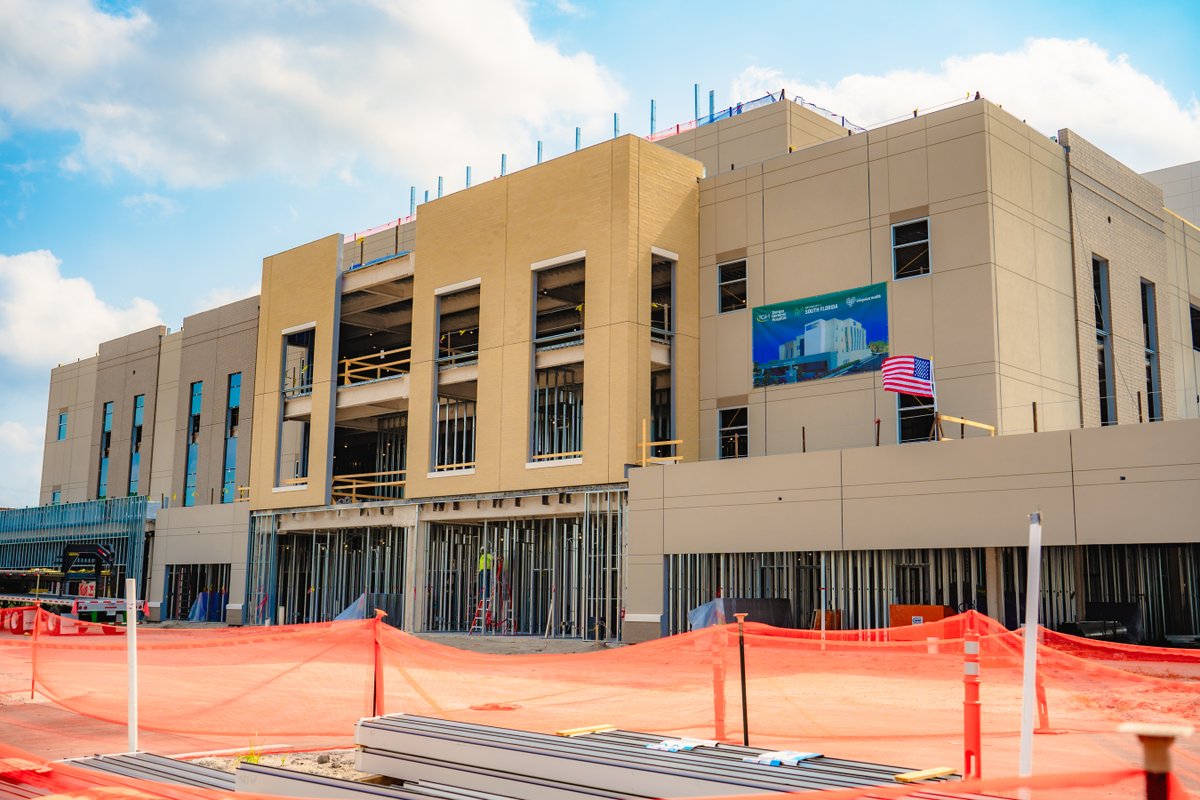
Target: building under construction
647, 373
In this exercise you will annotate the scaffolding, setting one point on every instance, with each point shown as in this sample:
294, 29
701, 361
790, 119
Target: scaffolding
558, 576
34, 537
313, 576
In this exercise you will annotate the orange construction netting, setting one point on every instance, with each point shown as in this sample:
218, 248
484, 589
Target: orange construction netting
892, 696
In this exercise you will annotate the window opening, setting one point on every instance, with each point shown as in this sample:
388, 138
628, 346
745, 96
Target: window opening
1104, 354
105, 448
135, 443
662, 331
458, 328
557, 413
298, 363
558, 306
62, 415
454, 440
733, 432
375, 333
910, 248
916, 418
192, 443
1150, 336
233, 412
1195, 328
731, 286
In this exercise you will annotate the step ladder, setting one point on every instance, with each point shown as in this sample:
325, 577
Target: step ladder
483, 617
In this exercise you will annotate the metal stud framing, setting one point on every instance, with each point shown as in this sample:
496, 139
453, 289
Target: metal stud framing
314, 575
860, 584
1159, 579
560, 576
34, 537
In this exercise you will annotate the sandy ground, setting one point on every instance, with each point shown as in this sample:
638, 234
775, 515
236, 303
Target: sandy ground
331, 763
514, 645
41, 727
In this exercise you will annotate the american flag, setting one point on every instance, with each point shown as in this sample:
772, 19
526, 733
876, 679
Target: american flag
908, 375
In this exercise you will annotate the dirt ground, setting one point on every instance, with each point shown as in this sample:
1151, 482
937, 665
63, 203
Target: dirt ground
331, 763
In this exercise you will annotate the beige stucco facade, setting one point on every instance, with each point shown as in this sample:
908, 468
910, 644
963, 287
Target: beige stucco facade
609, 205
995, 313
1093, 486
1015, 219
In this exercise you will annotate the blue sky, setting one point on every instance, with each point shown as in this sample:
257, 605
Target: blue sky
152, 154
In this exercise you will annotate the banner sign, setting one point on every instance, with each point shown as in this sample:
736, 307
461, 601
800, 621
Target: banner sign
820, 337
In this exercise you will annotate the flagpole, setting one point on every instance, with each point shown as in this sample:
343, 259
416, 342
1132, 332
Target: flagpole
937, 422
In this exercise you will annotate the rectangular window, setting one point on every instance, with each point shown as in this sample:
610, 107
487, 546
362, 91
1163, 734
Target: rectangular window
556, 424
233, 408
454, 412
910, 248
298, 363
454, 432
62, 415
1150, 336
558, 294
1104, 353
135, 443
56, 497
731, 286
1195, 328
105, 448
916, 418
662, 332
292, 467
733, 433
192, 443
458, 328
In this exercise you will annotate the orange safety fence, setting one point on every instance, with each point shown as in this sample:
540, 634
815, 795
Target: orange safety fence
890, 696
26, 775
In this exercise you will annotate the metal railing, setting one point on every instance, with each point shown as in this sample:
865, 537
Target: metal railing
556, 341
367, 486
377, 366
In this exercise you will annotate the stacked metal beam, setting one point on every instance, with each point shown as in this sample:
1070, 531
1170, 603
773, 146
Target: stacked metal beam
150, 767
606, 764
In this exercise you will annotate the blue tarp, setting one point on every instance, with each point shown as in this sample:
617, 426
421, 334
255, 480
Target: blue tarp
356, 610
209, 607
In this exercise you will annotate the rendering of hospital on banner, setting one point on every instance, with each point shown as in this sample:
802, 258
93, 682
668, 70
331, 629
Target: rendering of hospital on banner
586, 397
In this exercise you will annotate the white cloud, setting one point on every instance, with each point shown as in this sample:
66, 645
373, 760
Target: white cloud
225, 295
1050, 83
20, 462
149, 201
202, 93
568, 8
46, 318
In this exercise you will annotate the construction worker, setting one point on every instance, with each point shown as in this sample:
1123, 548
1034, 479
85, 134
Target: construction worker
486, 560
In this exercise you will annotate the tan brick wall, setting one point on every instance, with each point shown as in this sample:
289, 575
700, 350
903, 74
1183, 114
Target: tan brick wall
1117, 215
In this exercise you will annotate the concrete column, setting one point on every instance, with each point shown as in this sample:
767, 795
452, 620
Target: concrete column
414, 574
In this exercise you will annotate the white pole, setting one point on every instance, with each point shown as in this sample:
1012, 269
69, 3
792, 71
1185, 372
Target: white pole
131, 651
1029, 685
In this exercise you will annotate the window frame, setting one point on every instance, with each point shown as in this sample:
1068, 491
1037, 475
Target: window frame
927, 404
927, 241
722, 282
727, 430
1195, 320
61, 434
